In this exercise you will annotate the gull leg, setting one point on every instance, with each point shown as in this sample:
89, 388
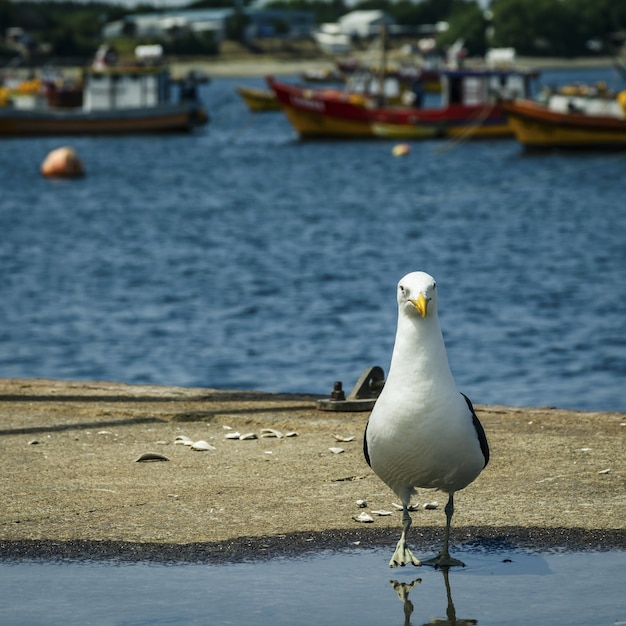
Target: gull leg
443, 559
402, 555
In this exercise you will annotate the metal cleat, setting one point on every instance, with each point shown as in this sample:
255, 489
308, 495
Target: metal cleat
362, 397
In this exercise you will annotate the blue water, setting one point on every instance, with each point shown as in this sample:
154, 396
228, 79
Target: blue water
239, 257
515, 588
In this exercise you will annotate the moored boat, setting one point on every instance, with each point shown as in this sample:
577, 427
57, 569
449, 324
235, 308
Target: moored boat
469, 108
110, 101
258, 100
570, 118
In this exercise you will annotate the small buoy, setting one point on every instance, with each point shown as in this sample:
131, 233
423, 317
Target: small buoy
62, 163
401, 149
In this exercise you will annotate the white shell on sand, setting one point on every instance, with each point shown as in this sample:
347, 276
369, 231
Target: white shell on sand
411, 507
271, 432
336, 450
382, 513
248, 436
431, 505
183, 440
150, 456
361, 504
233, 435
202, 446
364, 518
343, 439
291, 433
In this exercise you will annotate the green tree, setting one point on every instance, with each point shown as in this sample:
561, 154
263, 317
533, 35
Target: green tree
554, 27
466, 22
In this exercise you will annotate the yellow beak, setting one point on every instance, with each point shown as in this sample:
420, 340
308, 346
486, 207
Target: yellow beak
421, 304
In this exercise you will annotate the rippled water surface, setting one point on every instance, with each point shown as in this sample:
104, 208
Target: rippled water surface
239, 257
505, 587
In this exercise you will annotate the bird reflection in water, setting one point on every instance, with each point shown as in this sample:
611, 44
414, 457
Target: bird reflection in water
403, 589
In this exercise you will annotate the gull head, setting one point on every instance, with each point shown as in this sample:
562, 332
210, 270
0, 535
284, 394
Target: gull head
417, 295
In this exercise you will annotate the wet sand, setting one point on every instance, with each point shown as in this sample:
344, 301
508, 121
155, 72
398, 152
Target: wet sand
72, 486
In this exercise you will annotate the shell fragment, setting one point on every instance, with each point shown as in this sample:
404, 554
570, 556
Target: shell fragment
271, 432
343, 439
183, 440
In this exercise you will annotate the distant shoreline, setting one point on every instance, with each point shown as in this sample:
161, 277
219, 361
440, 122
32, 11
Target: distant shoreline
259, 66
265, 65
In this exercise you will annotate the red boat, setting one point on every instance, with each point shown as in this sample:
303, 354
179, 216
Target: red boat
469, 108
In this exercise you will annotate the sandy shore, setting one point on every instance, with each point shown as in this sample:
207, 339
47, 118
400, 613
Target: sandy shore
264, 65
73, 485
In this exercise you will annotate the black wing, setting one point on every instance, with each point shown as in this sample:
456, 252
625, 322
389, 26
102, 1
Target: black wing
365, 451
480, 431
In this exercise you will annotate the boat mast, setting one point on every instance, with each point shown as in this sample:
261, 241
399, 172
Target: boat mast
383, 63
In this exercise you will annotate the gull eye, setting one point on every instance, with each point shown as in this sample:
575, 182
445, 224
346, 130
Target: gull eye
401, 288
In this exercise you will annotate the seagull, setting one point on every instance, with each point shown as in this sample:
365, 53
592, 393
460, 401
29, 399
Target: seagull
422, 432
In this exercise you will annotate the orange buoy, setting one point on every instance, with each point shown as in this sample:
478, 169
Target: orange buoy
401, 149
62, 163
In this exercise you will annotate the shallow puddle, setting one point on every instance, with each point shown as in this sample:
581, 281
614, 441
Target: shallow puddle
354, 588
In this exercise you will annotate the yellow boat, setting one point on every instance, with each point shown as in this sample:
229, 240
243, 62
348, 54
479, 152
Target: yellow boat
570, 121
258, 100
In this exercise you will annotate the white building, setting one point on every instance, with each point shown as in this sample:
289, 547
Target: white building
364, 24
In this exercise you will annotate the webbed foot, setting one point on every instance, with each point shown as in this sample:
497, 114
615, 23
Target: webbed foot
403, 556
